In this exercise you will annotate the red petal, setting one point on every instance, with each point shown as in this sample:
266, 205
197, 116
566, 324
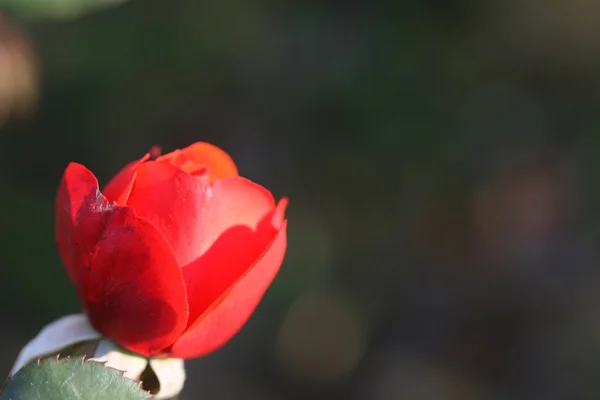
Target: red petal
172, 201
235, 202
225, 317
193, 159
135, 293
279, 213
228, 258
191, 214
78, 189
126, 274
118, 188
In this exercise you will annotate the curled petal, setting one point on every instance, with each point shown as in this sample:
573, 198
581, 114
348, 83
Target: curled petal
227, 314
279, 214
202, 158
78, 191
231, 254
118, 188
235, 202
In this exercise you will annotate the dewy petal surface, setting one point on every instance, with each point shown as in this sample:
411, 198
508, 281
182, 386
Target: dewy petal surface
128, 278
218, 163
225, 317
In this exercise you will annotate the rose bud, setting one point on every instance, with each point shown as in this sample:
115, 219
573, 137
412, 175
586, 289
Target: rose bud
174, 254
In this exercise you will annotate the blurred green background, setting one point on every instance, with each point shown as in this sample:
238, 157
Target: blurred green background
441, 159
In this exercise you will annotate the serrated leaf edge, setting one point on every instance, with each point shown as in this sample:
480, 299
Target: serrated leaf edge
85, 360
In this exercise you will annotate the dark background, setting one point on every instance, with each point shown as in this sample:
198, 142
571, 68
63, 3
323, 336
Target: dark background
441, 160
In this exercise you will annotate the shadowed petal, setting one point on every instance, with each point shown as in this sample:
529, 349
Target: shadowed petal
78, 190
126, 275
228, 313
135, 293
192, 215
227, 259
234, 202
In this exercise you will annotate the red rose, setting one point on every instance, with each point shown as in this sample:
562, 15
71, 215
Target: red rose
173, 256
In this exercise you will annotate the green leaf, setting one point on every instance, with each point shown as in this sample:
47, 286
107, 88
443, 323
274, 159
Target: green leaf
70, 379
